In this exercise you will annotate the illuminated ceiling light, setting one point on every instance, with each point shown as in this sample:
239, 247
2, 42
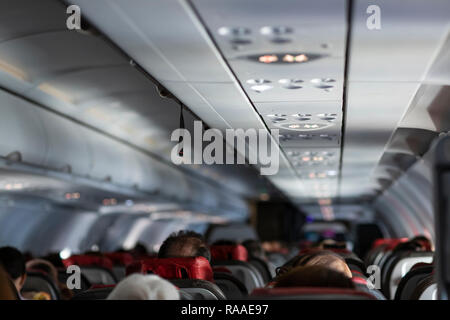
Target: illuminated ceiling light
65, 253
288, 58
301, 58
268, 58
281, 58
306, 159
311, 126
8, 186
109, 202
332, 173
294, 126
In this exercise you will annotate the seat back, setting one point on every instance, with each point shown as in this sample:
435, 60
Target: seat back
426, 289
400, 266
234, 258
120, 261
309, 293
232, 287
411, 280
199, 289
97, 269
63, 276
244, 272
263, 268
40, 282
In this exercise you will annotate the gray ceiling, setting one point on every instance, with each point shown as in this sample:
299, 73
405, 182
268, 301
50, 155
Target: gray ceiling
352, 118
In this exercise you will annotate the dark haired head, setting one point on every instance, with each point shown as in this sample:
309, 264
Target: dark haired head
184, 244
13, 262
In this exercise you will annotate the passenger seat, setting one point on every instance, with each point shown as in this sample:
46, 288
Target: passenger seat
234, 258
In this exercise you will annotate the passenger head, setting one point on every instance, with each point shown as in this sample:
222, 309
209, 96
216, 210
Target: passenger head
184, 244
313, 276
320, 258
327, 259
14, 264
254, 248
144, 287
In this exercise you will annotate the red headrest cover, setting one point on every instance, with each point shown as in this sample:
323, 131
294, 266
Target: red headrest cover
174, 268
390, 242
226, 252
120, 258
88, 260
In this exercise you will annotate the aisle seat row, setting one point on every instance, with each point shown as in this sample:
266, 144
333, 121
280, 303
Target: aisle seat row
406, 274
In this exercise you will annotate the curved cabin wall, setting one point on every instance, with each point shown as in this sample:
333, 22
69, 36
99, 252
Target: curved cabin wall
407, 206
48, 140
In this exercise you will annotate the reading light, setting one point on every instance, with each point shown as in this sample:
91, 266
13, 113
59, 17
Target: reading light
282, 58
268, 58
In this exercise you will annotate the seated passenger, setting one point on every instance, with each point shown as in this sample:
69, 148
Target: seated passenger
313, 276
184, 244
418, 243
14, 264
144, 287
52, 272
318, 258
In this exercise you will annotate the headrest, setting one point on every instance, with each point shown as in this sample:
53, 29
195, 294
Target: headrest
228, 252
174, 268
389, 242
308, 291
88, 260
120, 258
